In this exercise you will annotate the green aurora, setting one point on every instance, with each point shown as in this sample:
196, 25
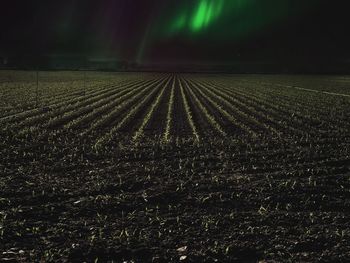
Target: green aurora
220, 20
233, 18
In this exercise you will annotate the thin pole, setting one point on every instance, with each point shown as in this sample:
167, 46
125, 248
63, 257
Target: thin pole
37, 89
85, 68
85, 82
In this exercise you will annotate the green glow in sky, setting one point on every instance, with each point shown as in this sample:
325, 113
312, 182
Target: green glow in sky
199, 18
231, 17
206, 12
220, 21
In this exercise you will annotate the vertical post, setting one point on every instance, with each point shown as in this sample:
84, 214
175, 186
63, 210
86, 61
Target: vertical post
110, 79
37, 89
85, 81
85, 68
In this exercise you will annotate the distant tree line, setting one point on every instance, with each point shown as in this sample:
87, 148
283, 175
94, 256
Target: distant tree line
57, 62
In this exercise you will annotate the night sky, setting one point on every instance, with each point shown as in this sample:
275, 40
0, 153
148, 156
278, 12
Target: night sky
188, 31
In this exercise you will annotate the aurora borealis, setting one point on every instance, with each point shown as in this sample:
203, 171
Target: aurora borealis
205, 13
186, 31
238, 14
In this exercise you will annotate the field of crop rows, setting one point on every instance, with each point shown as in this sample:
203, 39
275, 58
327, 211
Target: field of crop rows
153, 167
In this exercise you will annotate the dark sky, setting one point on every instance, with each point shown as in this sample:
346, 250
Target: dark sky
190, 31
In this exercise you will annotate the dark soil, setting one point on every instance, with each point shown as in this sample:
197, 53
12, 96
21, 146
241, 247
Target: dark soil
217, 201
